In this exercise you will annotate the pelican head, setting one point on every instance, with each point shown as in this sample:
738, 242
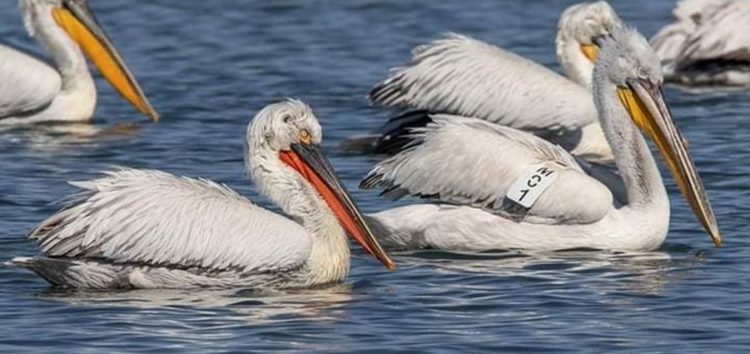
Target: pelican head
284, 140
627, 61
579, 28
44, 19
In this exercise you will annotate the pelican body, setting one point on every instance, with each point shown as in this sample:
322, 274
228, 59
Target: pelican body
480, 173
32, 91
464, 77
707, 45
150, 229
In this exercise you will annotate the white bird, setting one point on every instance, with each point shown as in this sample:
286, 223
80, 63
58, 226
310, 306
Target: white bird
501, 188
707, 44
151, 229
32, 91
465, 77
579, 27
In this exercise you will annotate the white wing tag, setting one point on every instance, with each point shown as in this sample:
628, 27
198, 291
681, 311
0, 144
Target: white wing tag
532, 183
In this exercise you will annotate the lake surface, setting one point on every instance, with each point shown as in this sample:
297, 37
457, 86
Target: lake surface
208, 66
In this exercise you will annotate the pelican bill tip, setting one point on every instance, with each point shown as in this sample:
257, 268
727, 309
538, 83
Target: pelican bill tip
716, 238
390, 265
712, 228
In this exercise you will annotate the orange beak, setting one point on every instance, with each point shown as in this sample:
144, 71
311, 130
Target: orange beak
308, 160
76, 19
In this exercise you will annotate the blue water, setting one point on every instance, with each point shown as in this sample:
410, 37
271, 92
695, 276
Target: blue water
208, 66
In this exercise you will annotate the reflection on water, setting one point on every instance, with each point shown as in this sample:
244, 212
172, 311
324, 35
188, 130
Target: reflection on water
638, 273
322, 304
208, 66
57, 136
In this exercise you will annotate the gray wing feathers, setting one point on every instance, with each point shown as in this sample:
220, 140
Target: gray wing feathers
462, 76
154, 218
26, 83
472, 162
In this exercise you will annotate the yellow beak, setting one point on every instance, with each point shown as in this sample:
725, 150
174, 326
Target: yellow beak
81, 25
645, 103
590, 51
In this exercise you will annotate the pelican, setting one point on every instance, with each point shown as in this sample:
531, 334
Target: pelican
708, 43
501, 188
577, 30
32, 91
150, 229
465, 77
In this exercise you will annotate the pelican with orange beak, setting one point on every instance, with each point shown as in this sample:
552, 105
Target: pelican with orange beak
32, 91
151, 229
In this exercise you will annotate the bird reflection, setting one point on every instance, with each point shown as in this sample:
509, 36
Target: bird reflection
636, 273
56, 136
321, 304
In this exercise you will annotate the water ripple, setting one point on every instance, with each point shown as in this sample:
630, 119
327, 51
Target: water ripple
208, 66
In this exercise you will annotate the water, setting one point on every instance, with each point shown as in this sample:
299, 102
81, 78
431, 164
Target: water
207, 66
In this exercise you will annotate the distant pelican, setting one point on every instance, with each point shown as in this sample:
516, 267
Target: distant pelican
150, 229
708, 44
465, 77
32, 91
501, 188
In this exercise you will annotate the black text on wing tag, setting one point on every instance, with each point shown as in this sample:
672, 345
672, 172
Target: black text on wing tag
532, 183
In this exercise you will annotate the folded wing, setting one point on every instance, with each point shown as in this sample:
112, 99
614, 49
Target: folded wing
156, 219
475, 163
27, 84
462, 76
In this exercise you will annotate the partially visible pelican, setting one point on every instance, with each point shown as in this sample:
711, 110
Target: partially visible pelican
577, 30
465, 77
708, 44
501, 188
32, 91
151, 229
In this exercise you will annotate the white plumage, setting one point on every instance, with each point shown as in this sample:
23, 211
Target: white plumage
496, 156
152, 217
32, 91
147, 229
579, 26
28, 84
465, 77
707, 44
468, 165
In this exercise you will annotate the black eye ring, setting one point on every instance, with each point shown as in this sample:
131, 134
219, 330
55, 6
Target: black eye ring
286, 118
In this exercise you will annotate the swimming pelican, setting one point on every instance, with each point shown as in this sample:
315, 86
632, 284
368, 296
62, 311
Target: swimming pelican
150, 229
465, 77
32, 91
501, 188
708, 43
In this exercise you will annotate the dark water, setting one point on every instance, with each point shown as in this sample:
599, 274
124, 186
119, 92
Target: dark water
209, 65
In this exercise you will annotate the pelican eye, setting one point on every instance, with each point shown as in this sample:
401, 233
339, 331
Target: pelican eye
304, 136
642, 74
286, 118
